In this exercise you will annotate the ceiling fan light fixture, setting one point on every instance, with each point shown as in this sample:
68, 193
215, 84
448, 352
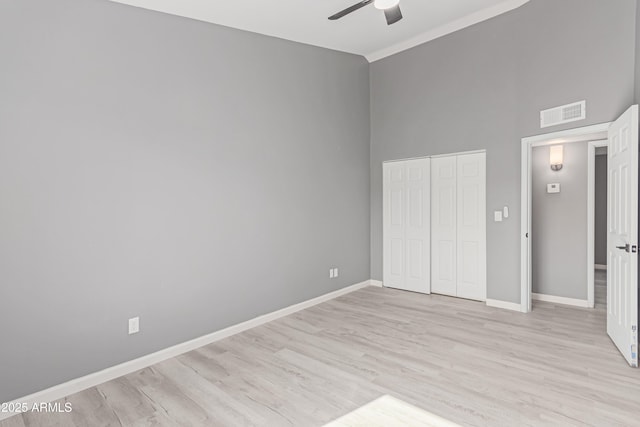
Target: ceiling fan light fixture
385, 4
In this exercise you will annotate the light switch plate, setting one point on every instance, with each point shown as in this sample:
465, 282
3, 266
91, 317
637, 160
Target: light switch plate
497, 216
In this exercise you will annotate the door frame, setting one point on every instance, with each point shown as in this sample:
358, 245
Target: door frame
594, 133
434, 156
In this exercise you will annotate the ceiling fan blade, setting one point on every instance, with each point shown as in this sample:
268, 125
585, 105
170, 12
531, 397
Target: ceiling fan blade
350, 9
393, 14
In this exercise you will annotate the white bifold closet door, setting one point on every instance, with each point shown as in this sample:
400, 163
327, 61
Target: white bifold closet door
406, 224
458, 226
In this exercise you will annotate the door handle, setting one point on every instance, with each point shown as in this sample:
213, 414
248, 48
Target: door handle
624, 248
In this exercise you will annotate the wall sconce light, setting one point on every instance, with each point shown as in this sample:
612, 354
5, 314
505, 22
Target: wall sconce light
555, 157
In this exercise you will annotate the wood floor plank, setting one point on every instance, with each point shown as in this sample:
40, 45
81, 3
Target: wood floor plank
45, 418
15, 421
461, 360
91, 408
126, 401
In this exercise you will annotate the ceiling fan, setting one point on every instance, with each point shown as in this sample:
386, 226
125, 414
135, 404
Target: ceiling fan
391, 9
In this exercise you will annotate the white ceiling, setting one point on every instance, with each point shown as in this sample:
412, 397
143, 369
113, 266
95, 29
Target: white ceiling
364, 32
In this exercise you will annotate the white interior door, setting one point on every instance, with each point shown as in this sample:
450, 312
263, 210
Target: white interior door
393, 218
443, 225
471, 227
406, 219
622, 240
418, 225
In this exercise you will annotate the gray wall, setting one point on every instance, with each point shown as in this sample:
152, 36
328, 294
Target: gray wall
559, 223
483, 87
191, 174
637, 94
600, 253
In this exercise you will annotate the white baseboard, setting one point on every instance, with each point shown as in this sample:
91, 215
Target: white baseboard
376, 283
601, 267
504, 305
561, 300
76, 385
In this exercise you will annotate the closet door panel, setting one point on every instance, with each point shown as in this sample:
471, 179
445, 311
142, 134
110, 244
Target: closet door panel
417, 230
471, 226
443, 225
394, 218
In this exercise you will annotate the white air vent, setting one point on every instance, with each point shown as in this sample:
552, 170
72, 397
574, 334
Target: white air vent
563, 114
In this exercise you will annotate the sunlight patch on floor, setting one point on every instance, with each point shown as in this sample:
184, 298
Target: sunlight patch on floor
387, 411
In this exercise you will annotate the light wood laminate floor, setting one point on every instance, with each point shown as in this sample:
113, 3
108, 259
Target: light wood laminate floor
458, 359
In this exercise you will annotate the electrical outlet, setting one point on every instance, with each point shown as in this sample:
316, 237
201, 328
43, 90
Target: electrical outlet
134, 325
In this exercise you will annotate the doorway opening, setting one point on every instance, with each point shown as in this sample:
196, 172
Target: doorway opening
563, 226
597, 136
